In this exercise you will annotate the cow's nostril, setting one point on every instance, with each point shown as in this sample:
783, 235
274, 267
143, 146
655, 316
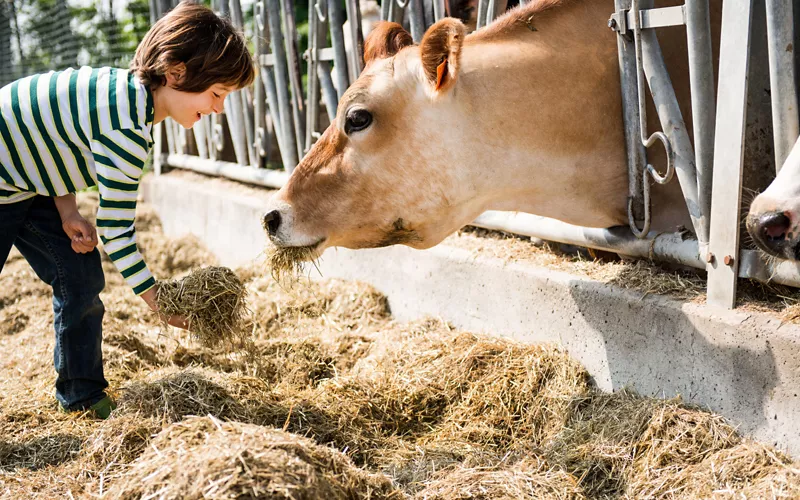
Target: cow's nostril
272, 221
775, 226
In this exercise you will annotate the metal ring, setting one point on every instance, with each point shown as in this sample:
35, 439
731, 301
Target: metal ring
401, 4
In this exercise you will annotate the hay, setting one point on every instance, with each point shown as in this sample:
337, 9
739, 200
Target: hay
206, 458
286, 264
170, 395
528, 479
212, 299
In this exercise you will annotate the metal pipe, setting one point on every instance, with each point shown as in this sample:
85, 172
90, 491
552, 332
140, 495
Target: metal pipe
249, 125
337, 41
416, 18
200, 138
287, 143
286, 151
704, 109
233, 112
438, 10
483, 7
672, 124
328, 90
295, 75
356, 63
316, 30
630, 114
490, 12
258, 176
259, 96
783, 90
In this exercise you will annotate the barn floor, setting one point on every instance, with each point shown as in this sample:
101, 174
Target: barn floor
336, 398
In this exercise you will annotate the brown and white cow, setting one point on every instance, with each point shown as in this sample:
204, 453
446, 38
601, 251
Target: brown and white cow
774, 217
524, 115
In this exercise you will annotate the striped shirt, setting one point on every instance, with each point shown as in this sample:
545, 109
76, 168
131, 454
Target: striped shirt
64, 131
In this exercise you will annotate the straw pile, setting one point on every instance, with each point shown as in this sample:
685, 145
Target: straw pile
205, 458
212, 299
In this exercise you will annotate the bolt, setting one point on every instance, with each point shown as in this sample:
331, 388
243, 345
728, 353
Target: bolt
728, 260
612, 23
710, 258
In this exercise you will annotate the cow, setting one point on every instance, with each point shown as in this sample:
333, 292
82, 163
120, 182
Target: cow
522, 115
773, 220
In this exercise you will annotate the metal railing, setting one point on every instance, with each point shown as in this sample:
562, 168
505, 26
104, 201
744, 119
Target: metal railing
277, 110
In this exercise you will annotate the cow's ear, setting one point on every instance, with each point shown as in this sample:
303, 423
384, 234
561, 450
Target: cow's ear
440, 50
386, 40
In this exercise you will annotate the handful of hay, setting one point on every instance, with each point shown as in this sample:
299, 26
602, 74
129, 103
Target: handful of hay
287, 263
212, 299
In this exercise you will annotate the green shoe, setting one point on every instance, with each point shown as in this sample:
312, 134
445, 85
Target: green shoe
103, 408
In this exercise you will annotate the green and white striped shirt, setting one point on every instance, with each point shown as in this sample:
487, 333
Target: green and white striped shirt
64, 131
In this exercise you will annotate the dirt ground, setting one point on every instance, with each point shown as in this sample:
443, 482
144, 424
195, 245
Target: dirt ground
332, 398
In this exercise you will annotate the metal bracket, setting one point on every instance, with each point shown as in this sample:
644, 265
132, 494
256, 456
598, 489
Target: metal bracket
622, 21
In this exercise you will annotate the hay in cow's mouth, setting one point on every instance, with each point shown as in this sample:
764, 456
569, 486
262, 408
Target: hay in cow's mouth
286, 263
212, 299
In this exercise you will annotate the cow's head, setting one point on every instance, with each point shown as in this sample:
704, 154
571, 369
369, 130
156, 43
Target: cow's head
774, 218
382, 173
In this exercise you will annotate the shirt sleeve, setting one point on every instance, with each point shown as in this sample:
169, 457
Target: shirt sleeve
120, 157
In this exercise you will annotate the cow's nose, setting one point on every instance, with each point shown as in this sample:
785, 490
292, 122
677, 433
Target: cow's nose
773, 229
272, 222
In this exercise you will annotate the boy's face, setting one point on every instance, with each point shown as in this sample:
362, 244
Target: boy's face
187, 108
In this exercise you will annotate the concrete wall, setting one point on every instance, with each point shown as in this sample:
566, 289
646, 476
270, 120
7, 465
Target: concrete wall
743, 365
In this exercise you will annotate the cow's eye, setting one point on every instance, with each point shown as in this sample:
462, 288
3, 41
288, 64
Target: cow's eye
357, 119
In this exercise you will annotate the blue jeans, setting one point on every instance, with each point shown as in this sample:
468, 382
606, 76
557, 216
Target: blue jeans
34, 227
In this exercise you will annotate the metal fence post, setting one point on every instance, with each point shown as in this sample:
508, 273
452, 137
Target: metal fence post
288, 137
701, 74
723, 257
783, 90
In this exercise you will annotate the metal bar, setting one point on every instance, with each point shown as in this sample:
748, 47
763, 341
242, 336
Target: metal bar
630, 113
233, 113
483, 7
288, 138
158, 148
438, 9
701, 79
337, 15
416, 18
734, 60
200, 138
286, 151
783, 90
490, 12
385, 9
356, 63
316, 31
259, 95
259, 176
659, 18
328, 90
295, 76
672, 124
396, 11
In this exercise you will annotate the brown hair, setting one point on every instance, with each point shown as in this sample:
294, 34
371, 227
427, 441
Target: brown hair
212, 49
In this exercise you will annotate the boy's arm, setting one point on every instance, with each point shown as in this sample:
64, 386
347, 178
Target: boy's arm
78, 229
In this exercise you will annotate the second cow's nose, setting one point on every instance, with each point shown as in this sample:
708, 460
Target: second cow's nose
773, 228
272, 222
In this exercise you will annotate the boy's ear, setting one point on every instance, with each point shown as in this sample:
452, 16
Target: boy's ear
175, 74
440, 50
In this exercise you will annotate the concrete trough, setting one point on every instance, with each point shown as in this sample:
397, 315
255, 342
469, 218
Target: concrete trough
743, 365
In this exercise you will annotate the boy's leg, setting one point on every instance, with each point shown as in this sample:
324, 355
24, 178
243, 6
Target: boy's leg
12, 217
77, 280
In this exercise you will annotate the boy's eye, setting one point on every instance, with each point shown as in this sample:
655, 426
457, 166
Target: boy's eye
215, 95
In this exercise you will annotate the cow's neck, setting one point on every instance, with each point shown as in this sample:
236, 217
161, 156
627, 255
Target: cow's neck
541, 98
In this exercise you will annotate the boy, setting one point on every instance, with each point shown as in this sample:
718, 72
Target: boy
62, 132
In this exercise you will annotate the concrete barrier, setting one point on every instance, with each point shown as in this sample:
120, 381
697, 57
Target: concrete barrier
743, 365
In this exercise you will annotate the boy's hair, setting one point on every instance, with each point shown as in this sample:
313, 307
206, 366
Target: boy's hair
212, 49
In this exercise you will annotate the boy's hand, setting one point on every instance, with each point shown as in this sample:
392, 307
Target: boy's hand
82, 234
175, 320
